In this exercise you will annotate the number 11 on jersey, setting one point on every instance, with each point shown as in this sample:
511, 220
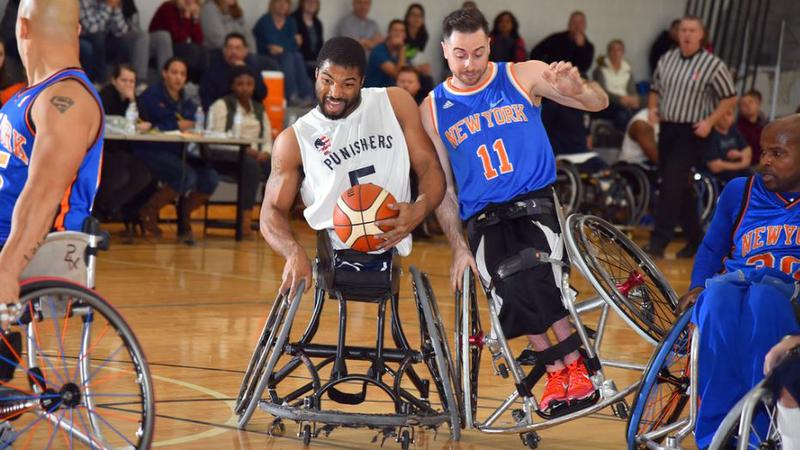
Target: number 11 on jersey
488, 169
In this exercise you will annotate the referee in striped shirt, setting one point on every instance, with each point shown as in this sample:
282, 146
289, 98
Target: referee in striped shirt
691, 89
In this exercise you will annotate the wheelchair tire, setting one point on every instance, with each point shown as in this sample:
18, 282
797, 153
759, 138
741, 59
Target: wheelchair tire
84, 372
666, 380
434, 333
468, 354
607, 194
707, 191
640, 186
623, 275
760, 398
568, 186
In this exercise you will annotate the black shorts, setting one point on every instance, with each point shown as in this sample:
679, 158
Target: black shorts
529, 301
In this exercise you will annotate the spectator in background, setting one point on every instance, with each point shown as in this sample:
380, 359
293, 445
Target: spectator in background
310, 28
469, 4
728, 154
416, 41
506, 43
8, 26
386, 60
408, 80
276, 35
102, 27
569, 134
219, 18
571, 45
687, 72
640, 144
751, 122
8, 84
181, 19
182, 174
123, 175
216, 80
666, 41
255, 125
359, 26
614, 74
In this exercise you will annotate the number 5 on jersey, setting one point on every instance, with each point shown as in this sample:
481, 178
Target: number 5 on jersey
505, 165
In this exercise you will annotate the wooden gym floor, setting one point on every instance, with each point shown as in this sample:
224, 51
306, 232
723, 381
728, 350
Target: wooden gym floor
197, 312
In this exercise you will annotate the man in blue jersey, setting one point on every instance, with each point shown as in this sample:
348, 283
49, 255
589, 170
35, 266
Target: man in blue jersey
746, 276
51, 137
486, 122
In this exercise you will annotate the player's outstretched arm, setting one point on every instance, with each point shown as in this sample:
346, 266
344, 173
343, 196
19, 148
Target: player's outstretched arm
562, 83
282, 187
67, 120
447, 212
424, 163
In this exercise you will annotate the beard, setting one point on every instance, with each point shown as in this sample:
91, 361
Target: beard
349, 106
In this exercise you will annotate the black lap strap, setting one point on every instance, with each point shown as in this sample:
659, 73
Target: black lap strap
514, 209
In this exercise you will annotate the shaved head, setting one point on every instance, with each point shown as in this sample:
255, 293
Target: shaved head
780, 157
47, 36
51, 18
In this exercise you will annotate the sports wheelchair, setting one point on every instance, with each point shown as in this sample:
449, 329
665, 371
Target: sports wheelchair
72, 373
627, 282
270, 381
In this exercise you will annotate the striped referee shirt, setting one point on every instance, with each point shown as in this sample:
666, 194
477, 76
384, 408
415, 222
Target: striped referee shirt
690, 87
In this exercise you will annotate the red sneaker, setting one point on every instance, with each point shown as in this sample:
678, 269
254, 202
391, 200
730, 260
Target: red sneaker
580, 385
555, 390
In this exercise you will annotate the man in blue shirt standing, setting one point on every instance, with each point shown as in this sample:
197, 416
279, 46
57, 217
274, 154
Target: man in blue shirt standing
746, 276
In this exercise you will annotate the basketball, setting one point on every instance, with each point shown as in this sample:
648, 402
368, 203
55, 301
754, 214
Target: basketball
356, 212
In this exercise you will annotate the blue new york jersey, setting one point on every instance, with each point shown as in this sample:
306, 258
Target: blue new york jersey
17, 135
494, 136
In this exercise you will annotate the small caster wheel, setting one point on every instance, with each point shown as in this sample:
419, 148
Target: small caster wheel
277, 428
518, 415
405, 440
530, 439
306, 434
503, 370
620, 410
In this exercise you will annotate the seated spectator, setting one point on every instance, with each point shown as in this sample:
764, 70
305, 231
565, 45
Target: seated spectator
408, 80
666, 41
123, 176
102, 27
8, 84
751, 122
8, 27
728, 154
276, 35
569, 134
140, 46
506, 43
255, 125
572, 45
744, 278
614, 74
359, 26
166, 107
386, 60
218, 19
416, 40
181, 19
310, 28
216, 80
469, 4
640, 144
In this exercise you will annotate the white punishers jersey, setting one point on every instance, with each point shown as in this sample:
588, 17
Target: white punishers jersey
367, 146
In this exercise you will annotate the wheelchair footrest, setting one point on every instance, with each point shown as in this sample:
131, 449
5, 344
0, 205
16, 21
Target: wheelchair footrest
559, 409
353, 420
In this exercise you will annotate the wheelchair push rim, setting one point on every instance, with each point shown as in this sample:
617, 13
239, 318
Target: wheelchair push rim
469, 347
758, 401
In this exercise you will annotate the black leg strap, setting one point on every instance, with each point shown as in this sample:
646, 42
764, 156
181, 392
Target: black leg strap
558, 351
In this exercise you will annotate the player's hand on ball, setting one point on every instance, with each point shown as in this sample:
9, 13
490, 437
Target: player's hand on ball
409, 216
297, 268
462, 258
779, 352
564, 77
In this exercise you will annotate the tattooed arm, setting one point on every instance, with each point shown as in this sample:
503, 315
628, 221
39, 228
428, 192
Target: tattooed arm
67, 120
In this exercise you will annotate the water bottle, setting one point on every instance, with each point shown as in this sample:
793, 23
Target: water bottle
199, 120
131, 117
237, 124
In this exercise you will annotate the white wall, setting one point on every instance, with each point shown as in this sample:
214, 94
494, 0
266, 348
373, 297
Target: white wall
637, 22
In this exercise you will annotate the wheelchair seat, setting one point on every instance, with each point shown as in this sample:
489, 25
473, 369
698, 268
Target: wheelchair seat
355, 275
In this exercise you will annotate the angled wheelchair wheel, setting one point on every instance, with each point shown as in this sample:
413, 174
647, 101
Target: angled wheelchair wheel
434, 343
74, 374
740, 419
640, 186
568, 186
469, 346
608, 195
664, 390
706, 190
623, 275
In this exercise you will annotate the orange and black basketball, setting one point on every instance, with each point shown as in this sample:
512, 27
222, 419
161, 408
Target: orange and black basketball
356, 212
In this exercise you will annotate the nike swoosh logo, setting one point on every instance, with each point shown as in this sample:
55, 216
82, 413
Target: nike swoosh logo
494, 104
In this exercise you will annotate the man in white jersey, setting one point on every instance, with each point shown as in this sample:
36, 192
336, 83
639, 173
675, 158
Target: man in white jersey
640, 144
353, 136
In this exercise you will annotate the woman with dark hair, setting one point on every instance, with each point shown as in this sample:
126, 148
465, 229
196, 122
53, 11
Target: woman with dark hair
416, 40
220, 18
123, 176
506, 44
310, 29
